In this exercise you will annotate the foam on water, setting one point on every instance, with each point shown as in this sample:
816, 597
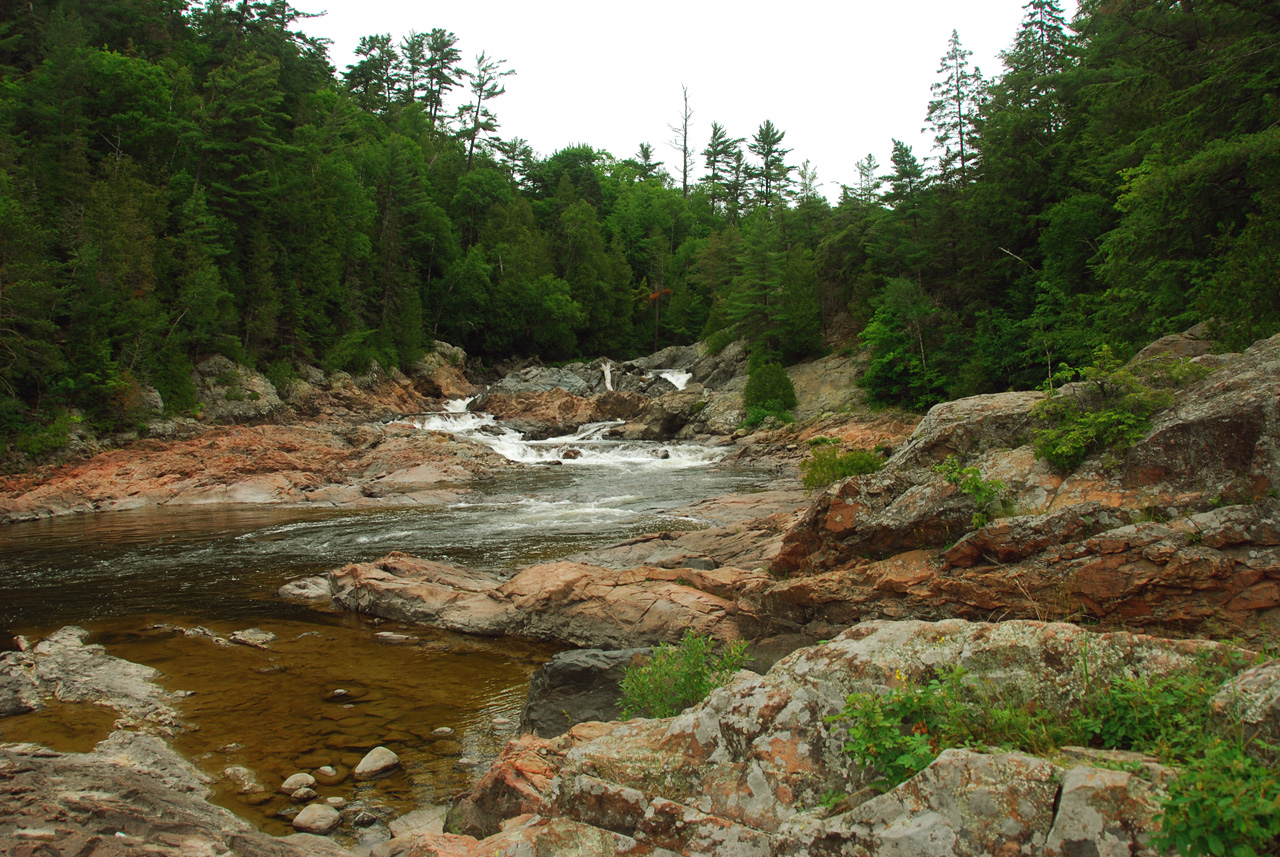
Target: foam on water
587, 447
676, 376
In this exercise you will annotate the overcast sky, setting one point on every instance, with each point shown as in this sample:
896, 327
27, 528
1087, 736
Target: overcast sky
841, 79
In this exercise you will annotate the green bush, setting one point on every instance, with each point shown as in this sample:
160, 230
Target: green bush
42, 440
769, 393
768, 386
828, 465
1223, 802
678, 676
969, 479
720, 340
1111, 411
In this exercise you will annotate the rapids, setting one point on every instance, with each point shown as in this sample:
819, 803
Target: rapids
132, 577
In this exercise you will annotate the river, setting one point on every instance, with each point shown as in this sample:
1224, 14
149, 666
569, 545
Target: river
327, 690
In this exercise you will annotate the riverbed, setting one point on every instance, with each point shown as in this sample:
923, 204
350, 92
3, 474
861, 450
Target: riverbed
163, 586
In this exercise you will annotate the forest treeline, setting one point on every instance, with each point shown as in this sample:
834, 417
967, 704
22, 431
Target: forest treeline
180, 179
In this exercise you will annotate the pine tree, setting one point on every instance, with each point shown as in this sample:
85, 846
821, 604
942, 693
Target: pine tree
954, 113
718, 157
772, 175
485, 86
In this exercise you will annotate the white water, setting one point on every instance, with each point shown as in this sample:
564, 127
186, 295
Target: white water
608, 376
675, 376
587, 447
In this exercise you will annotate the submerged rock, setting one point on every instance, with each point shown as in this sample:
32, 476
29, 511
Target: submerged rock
317, 818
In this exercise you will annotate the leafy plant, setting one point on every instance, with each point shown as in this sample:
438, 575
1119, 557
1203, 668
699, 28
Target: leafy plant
769, 392
1223, 802
969, 480
828, 465
1111, 412
677, 677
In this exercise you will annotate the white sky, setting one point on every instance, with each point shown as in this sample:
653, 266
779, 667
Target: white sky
841, 79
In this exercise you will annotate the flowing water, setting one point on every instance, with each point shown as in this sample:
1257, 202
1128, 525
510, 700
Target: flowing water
327, 690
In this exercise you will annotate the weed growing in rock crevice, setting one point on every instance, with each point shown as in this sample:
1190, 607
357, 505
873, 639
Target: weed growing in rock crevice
969, 480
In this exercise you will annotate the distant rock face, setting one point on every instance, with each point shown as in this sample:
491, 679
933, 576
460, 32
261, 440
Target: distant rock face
574, 687
231, 393
555, 412
742, 772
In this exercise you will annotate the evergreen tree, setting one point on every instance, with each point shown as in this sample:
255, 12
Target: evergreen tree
954, 113
772, 175
485, 81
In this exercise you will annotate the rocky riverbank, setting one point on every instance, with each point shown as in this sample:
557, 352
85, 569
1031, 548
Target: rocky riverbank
877, 583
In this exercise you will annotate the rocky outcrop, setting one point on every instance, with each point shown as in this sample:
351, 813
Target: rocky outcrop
575, 687
745, 772
325, 465
1069, 546
231, 393
1215, 573
131, 795
571, 602
63, 667
556, 412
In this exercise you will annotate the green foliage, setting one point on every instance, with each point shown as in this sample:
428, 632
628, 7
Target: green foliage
677, 677
769, 393
1109, 410
828, 465
969, 480
1223, 802
40, 441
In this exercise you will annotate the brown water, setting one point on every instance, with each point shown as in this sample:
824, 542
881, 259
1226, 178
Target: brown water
326, 691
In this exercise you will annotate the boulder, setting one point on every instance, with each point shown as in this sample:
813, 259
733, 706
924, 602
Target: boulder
574, 687
571, 602
663, 417
317, 818
378, 762
19, 690
439, 374
1251, 702
556, 412
231, 393
300, 780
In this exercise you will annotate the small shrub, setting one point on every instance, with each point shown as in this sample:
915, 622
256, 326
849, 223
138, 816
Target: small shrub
45, 439
719, 341
969, 479
827, 465
1111, 413
769, 392
1223, 802
678, 676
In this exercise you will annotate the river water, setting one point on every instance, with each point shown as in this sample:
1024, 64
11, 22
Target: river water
327, 690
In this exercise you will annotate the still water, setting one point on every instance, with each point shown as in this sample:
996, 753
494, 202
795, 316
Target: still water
326, 690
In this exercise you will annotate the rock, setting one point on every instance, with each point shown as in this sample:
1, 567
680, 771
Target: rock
663, 417
304, 795
439, 374
555, 412
1105, 812
19, 691
442, 732
734, 774
254, 637
231, 393
391, 638
67, 669
964, 803
1251, 701
300, 780
576, 686
377, 762
426, 820
317, 818
131, 783
572, 602
306, 589
245, 780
